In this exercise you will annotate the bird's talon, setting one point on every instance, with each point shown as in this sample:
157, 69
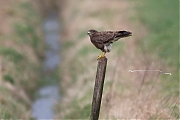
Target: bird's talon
100, 56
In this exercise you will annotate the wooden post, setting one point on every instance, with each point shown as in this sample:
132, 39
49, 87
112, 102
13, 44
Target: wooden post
98, 88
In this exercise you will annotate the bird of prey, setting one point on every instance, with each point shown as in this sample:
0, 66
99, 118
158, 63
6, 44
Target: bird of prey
104, 40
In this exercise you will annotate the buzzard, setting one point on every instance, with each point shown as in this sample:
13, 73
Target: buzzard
104, 40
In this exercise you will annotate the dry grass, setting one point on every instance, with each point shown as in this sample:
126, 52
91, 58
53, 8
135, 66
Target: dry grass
19, 62
126, 95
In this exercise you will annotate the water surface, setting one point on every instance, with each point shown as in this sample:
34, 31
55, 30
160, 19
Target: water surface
48, 96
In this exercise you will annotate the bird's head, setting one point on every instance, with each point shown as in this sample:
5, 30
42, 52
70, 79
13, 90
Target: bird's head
91, 32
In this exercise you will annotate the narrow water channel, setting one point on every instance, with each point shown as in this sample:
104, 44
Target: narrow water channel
48, 96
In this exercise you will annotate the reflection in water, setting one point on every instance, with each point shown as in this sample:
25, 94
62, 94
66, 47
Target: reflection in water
42, 107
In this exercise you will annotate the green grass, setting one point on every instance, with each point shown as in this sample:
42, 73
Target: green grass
27, 34
11, 107
18, 68
79, 113
86, 50
11, 54
9, 79
82, 34
162, 32
25, 30
162, 20
106, 14
68, 44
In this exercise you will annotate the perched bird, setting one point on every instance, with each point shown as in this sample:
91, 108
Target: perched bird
104, 40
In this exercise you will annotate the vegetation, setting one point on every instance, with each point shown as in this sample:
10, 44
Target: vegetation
162, 21
20, 51
144, 95
161, 18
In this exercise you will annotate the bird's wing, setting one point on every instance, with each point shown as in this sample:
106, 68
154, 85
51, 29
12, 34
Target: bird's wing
106, 36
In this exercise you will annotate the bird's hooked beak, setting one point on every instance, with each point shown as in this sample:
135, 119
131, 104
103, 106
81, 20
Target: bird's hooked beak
89, 33
130, 34
123, 34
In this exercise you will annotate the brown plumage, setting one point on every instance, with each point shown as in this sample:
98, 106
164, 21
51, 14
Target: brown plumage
103, 40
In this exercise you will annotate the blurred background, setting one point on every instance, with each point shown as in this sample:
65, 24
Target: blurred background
25, 44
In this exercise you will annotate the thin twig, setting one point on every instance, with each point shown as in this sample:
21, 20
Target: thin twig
150, 71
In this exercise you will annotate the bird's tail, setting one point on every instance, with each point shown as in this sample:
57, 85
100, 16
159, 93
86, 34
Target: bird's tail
122, 34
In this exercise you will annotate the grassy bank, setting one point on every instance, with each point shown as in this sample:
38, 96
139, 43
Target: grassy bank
161, 18
126, 95
21, 49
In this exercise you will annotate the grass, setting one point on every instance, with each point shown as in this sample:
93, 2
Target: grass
85, 50
20, 48
83, 113
9, 79
126, 95
162, 20
11, 54
11, 107
27, 34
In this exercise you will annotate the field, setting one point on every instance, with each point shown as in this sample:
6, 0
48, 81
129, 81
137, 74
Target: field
163, 36
153, 46
21, 50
